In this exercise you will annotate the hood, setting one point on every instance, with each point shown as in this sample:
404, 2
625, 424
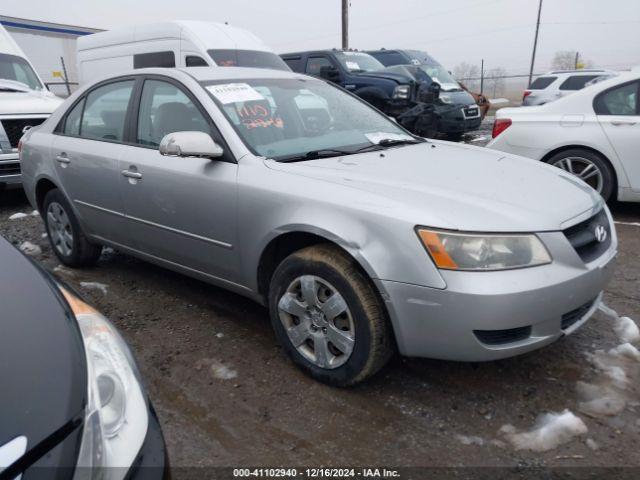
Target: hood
450, 186
42, 366
16, 98
396, 77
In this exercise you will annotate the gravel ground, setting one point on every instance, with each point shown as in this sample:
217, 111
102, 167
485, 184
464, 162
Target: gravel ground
227, 396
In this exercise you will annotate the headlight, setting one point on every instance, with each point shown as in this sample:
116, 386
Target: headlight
401, 91
116, 417
483, 252
445, 98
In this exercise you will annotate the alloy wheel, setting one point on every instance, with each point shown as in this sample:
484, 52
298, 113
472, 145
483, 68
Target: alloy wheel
318, 321
584, 169
59, 227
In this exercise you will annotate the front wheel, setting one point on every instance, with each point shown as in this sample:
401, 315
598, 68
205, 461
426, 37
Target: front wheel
328, 317
589, 167
65, 235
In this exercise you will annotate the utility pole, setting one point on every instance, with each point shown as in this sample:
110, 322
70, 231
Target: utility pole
482, 76
345, 24
575, 64
535, 43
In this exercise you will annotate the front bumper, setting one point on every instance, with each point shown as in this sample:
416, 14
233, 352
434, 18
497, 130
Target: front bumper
10, 174
454, 120
534, 302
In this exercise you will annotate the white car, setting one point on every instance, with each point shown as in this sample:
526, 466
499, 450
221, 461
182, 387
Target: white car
25, 102
593, 134
554, 85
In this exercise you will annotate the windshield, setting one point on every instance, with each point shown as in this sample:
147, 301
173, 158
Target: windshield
358, 61
247, 58
280, 118
18, 69
440, 75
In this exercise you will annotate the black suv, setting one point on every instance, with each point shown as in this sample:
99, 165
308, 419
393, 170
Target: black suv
459, 111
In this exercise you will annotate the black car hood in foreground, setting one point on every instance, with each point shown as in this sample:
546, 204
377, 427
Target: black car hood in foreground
43, 373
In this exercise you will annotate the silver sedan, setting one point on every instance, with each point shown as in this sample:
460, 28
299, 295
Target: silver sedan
361, 238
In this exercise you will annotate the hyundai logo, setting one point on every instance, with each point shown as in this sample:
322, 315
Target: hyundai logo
600, 233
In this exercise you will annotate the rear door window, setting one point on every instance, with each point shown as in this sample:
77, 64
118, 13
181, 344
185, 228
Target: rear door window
541, 83
72, 122
621, 100
154, 59
106, 110
577, 82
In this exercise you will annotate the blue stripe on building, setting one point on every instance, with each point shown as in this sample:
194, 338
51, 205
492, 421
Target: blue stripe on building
42, 28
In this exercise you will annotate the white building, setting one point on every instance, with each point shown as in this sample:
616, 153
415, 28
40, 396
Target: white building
45, 44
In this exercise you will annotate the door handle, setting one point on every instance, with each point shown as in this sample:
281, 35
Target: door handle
619, 123
62, 158
130, 174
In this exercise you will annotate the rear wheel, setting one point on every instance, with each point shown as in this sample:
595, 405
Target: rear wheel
65, 236
328, 317
588, 166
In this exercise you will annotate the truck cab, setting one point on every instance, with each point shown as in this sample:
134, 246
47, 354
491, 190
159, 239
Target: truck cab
25, 102
179, 43
359, 73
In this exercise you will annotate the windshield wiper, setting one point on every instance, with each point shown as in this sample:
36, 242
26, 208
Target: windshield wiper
335, 152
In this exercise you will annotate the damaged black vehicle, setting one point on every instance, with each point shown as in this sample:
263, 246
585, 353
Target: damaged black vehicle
424, 104
456, 110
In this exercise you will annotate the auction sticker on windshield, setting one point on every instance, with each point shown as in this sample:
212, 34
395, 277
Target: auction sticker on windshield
352, 65
234, 93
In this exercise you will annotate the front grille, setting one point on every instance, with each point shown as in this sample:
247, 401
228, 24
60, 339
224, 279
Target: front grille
9, 169
13, 128
499, 337
584, 239
573, 316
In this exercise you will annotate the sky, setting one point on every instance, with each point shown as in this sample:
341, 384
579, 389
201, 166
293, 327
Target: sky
606, 32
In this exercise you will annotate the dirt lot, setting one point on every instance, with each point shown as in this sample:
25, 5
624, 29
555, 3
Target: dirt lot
227, 396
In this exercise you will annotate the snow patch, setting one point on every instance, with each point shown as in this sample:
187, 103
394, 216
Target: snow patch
95, 286
35, 213
222, 372
470, 440
220, 335
63, 270
549, 431
30, 249
44, 235
591, 443
599, 400
627, 330
632, 224
626, 350
17, 216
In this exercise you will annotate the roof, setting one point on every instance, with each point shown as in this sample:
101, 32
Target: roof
204, 34
585, 71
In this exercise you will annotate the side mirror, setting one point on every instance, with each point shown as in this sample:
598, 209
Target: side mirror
190, 144
329, 72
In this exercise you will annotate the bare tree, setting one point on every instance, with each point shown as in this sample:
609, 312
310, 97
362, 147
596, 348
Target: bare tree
569, 60
495, 81
467, 73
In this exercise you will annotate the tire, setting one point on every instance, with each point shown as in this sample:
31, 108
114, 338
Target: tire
594, 168
67, 240
362, 330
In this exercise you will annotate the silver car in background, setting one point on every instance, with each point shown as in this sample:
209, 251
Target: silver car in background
359, 237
